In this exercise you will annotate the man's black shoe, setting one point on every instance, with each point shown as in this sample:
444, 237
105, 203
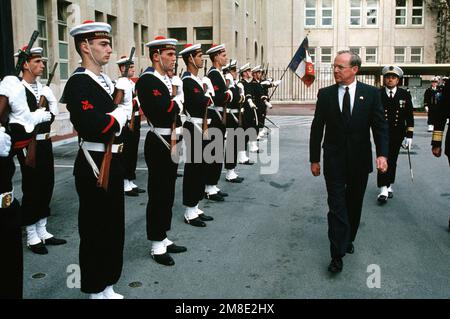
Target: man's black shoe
336, 265
164, 259
237, 180
382, 199
390, 195
197, 222
174, 249
205, 218
222, 194
215, 197
139, 190
132, 193
55, 241
39, 249
249, 163
350, 248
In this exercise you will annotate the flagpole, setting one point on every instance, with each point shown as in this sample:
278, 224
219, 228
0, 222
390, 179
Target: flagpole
281, 79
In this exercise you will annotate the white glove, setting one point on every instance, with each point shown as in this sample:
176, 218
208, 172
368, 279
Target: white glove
266, 83
120, 114
427, 109
276, 83
5, 143
177, 81
124, 84
251, 103
41, 116
241, 88
230, 94
206, 81
268, 104
51, 99
230, 78
407, 143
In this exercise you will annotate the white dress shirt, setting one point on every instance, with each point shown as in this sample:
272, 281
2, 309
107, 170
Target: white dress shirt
388, 91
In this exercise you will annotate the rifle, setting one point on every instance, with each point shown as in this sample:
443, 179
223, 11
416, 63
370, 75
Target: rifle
103, 176
30, 159
23, 57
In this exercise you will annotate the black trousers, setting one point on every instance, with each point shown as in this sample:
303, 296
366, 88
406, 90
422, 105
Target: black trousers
131, 141
162, 175
194, 169
262, 113
37, 184
213, 171
101, 225
432, 113
11, 265
250, 122
345, 200
231, 143
395, 143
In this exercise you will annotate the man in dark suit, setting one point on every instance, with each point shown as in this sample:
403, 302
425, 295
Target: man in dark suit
347, 111
442, 115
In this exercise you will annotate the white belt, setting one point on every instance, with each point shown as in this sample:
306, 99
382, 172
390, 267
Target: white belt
137, 113
166, 131
6, 199
100, 147
234, 111
197, 120
218, 108
43, 137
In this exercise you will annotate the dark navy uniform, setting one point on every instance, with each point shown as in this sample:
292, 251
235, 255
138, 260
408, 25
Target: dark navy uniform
258, 98
101, 214
234, 108
155, 96
442, 115
38, 182
221, 99
249, 119
398, 112
431, 100
195, 106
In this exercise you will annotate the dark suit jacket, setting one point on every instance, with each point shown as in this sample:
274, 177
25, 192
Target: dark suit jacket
347, 148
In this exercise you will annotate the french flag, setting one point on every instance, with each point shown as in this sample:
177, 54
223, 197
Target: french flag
302, 64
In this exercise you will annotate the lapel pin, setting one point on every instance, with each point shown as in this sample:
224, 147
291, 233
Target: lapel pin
361, 98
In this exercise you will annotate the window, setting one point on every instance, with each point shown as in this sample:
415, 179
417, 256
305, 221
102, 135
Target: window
144, 39
310, 13
181, 35
417, 12
326, 55
43, 36
99, 16
327, 12
399, 55
63, 41
355, 12
136, 38
112, 21
356, 50
372, 12
416, 55
400, 12
204, 36
371, 55
312, 53
236, 39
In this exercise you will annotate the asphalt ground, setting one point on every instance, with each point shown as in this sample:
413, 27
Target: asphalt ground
269, 239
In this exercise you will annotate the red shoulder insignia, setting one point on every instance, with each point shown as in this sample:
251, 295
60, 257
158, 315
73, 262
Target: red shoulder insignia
156, 93
196, 91
86, 105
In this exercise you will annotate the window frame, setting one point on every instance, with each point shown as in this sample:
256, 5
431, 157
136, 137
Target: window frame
396, 55
421, 55
311, 9
63, 61
414, 16
41, 40
322, 55
360, 8
375, 55
405, 17
322, 9
366, 10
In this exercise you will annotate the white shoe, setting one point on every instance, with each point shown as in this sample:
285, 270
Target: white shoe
253, 147
231, 174
133, 185
97, 296
242, 157
109, 293
211, 190
41, 230
384, 195
127, 186
191, 213
32, 236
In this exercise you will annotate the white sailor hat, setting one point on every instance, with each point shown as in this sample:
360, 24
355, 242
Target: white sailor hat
216, 49
435, 79
91, 30
35, 52
231, 65
123, 60
445, 78
257, 69
162, 43
392, 69
193, 49
244, 68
